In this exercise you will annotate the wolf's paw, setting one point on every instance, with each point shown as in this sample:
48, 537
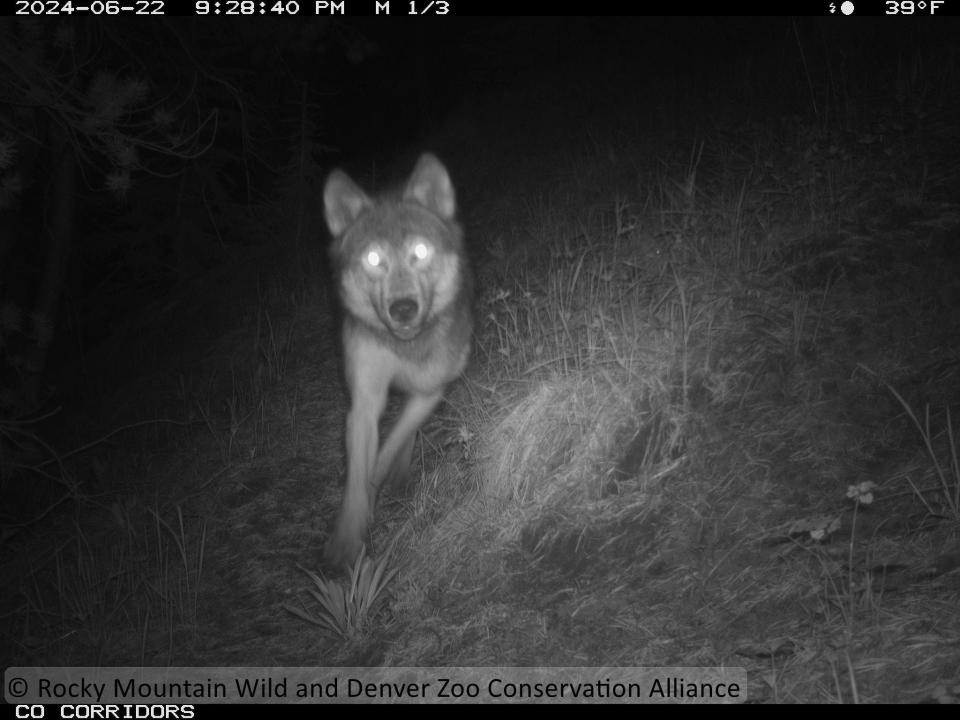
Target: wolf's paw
343, 547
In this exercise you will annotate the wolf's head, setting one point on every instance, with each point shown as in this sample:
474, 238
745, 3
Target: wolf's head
399, 258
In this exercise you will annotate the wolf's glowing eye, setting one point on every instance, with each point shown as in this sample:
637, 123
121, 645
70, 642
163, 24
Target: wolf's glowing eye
421, 250
374, 259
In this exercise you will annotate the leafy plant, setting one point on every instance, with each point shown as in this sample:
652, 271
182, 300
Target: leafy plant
346, 608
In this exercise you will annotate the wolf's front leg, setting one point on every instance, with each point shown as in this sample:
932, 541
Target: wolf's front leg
395, 456
360, 493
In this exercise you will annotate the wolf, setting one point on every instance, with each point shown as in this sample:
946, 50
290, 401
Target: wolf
407, 293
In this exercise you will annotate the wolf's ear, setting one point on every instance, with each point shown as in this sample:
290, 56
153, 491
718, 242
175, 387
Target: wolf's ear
430, 186
343, 202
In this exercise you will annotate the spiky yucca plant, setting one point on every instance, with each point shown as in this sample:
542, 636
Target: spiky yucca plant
347, 607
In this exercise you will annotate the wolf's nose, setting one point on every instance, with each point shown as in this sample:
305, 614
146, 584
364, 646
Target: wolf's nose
403, 311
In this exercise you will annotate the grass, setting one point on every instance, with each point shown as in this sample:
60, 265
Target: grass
348, 608
947, 472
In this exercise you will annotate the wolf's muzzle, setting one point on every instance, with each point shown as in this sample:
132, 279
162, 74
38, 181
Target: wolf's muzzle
404, 311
